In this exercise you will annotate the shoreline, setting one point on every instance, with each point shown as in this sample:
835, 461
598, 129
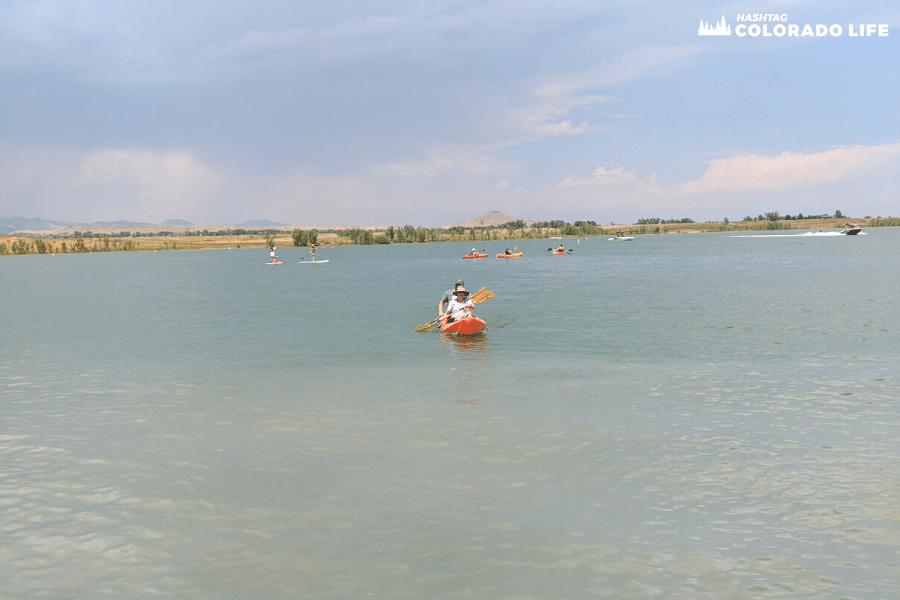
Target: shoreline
119, 239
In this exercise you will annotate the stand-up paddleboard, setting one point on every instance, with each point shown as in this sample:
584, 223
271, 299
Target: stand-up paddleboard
313, 262
275, 263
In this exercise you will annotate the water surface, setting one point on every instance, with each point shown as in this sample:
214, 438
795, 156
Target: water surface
680, 416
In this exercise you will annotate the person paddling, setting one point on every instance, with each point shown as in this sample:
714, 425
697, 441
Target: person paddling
460, 306
312, 251
447, 297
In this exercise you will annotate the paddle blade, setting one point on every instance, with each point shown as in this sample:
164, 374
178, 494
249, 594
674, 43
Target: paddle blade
426, 326
482, 295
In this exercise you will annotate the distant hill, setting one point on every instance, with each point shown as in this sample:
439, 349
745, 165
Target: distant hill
10, 224
261, 223
175, 222
493, 218
118, 224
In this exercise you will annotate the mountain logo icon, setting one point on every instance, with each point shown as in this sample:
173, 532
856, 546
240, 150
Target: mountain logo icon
720, 28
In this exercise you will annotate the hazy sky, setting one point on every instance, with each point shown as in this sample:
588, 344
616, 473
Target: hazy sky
431, 112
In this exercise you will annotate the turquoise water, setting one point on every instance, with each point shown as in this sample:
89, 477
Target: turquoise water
680, 416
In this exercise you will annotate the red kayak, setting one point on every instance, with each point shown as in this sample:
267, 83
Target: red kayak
559, 252
465, 326
470, 255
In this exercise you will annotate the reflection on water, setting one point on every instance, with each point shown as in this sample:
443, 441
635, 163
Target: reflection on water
468, 357
466, 345
677, 417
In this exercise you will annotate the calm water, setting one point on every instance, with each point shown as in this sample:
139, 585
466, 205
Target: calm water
681, 416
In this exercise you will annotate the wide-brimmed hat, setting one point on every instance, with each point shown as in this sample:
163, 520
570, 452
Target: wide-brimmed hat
461, 290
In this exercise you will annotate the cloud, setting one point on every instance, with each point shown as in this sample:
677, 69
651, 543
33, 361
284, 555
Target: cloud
791, 170
616, 178
564, 93
343, 201
546, 118
169, 178
476, 161
104, 185
629, 66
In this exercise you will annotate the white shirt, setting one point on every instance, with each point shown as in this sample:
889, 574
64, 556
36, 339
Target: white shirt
459, 309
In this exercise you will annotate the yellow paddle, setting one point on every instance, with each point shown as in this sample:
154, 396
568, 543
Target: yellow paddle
479, 296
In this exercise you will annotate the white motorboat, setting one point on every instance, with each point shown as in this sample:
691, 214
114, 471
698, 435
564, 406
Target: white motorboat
621, 236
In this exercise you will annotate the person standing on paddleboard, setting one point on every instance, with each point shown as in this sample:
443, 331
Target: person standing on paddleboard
312, 251
460, 306
448, 296
272, 257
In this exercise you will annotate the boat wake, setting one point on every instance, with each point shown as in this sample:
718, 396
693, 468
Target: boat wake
804, 234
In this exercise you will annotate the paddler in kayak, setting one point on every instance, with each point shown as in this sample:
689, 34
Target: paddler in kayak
561, 248
460, 306
447, 297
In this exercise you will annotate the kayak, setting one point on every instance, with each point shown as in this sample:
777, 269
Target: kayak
465, 326
559, 252
513, 255
470, 255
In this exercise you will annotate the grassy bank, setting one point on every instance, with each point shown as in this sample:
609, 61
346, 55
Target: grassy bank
10, 245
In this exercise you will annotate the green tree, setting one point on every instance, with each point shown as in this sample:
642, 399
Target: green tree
313, 236
300, 237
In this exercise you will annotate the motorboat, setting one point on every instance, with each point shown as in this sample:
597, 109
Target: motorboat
851, 229
621, 236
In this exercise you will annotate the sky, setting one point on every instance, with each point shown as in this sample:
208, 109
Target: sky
431, 112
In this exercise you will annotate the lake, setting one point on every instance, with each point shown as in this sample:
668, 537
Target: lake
678, 416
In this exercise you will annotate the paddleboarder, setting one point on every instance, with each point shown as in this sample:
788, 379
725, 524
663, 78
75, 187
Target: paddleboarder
312, 251
272, 258
448, 296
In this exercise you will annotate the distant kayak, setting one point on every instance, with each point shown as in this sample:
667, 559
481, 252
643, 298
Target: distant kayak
513, 255
465, 326
476, 255
559, 252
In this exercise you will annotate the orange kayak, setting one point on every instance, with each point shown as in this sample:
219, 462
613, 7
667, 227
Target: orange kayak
558, 252
513, 255
470, 255
466, 326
